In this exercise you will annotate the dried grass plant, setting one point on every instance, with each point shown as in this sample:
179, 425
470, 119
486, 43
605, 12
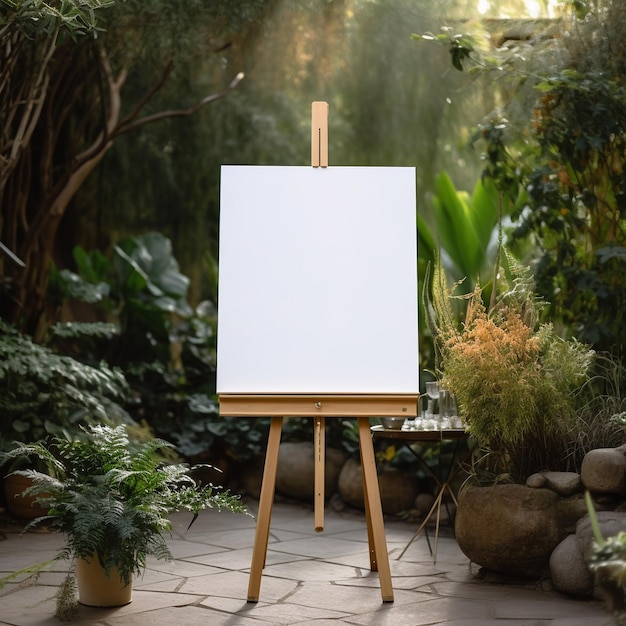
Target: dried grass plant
514, 378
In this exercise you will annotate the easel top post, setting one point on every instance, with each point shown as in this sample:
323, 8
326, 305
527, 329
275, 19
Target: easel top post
319, 134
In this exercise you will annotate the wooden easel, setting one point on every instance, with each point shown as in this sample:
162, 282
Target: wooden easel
319, 407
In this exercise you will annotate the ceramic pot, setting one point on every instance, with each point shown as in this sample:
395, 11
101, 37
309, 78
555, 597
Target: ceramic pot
19, 506
95, 588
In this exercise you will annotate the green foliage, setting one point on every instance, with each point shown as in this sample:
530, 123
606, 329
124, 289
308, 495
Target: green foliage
466, 228
143, 286
465, 242
111, 497
166, 350
559, 159
150, 290
36, 18
43, 392
460, 45
576, 204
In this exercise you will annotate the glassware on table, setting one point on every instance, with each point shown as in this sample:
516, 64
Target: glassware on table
448, 409
445, 408
427, 420
432, 391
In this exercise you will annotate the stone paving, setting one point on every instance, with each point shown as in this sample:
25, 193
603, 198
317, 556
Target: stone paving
310, 579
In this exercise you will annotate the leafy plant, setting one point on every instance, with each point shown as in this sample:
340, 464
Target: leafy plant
555, 149
466, 236
76, 57
165, 348
513, 377
43, 392
111, 497
576, 203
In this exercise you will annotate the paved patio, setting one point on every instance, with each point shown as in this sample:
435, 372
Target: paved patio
310, 578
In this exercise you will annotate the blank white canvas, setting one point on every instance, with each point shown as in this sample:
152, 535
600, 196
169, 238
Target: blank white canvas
317, 281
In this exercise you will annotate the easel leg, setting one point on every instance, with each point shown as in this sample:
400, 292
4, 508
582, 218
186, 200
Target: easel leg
368, 520
374, 511
266, 501
319, 449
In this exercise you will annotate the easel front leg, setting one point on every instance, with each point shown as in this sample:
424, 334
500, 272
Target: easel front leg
266, 500
374, 509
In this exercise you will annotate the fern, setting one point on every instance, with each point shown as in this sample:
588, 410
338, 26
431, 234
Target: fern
112, 497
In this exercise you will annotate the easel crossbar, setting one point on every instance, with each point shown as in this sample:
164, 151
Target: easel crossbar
312, 405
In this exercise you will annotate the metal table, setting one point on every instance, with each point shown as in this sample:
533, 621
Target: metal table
444, 485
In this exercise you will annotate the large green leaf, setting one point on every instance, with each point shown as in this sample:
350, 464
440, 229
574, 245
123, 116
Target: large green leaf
146, 262
465, 227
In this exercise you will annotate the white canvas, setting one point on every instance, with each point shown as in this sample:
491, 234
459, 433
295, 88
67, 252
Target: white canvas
317, 281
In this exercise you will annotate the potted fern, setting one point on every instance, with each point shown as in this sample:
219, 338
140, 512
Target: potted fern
111, 497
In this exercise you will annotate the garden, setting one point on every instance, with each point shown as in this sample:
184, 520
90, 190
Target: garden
117, 115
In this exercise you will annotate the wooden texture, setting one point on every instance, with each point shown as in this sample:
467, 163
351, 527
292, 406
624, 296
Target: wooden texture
319, 450
378, 555
319, 134
312, 405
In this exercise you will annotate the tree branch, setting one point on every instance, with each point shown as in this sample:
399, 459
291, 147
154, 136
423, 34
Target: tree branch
125, 128
148, 96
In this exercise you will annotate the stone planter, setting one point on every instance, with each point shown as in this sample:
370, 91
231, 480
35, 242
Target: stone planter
511, 529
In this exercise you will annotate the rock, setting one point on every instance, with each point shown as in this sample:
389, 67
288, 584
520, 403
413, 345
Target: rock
570, 511
610, 523
568, 569
509, 528
350, 484
603, 470
536, 481
423, 503
295, 476
563, 483
398, 490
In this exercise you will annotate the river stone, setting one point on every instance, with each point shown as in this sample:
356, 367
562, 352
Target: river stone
295, 475
568, 569
511, 529
610, 523
536, 481
563, 483
570, 511
424, 503
603, 470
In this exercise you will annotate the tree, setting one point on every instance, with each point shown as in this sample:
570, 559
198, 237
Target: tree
556, 150
64, 66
